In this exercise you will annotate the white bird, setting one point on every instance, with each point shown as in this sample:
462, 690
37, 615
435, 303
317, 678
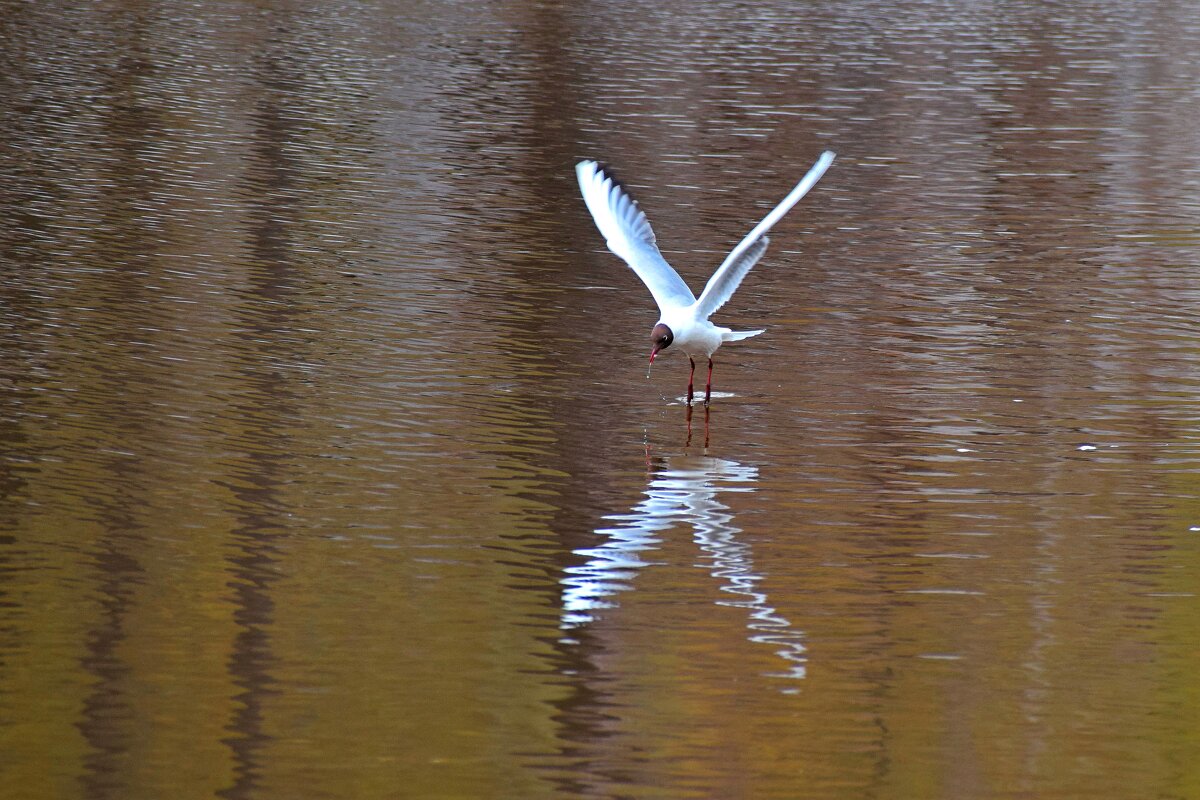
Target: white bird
683, 318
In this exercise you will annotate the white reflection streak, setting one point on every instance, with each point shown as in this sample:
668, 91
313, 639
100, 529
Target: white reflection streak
686, 495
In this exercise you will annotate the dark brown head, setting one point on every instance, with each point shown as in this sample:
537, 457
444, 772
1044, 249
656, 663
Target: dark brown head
662, 338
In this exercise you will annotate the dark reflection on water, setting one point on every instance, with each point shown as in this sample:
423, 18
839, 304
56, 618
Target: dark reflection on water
320, 401
268, 398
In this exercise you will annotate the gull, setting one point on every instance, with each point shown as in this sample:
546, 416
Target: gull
683, 318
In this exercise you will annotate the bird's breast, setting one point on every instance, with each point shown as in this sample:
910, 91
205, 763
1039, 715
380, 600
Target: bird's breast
697, 339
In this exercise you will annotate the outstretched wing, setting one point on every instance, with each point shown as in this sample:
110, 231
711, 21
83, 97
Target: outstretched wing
728, 277
628, 234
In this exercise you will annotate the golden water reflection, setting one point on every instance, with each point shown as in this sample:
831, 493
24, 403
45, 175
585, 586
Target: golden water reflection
319, 394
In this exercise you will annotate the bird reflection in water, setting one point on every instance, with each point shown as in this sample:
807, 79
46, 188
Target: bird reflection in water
683, 490
689, 428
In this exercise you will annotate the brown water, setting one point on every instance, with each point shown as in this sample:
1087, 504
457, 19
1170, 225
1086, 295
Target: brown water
330, 467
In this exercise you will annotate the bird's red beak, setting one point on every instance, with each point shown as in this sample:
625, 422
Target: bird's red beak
654, 352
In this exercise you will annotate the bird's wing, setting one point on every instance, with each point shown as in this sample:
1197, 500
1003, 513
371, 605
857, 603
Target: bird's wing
725, 280
628, 234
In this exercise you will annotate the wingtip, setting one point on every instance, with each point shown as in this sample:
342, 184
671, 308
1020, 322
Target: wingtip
586, 168
600, 173
597, 170
597, 173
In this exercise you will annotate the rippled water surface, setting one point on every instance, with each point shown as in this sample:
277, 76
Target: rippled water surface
329, 467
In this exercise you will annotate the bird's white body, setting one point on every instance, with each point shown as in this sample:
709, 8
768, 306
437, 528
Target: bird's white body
696, 336
683, 318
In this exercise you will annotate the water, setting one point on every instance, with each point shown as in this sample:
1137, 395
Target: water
330, 467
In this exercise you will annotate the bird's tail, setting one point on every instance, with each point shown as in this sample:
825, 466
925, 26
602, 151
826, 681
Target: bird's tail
734, 336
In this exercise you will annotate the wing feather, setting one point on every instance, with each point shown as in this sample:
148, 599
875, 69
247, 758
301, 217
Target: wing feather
629, 235
733, 269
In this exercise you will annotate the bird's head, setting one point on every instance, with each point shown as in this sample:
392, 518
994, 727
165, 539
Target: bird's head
662, 337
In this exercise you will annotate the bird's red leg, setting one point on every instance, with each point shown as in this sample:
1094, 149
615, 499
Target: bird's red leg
708, 386
690, 377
